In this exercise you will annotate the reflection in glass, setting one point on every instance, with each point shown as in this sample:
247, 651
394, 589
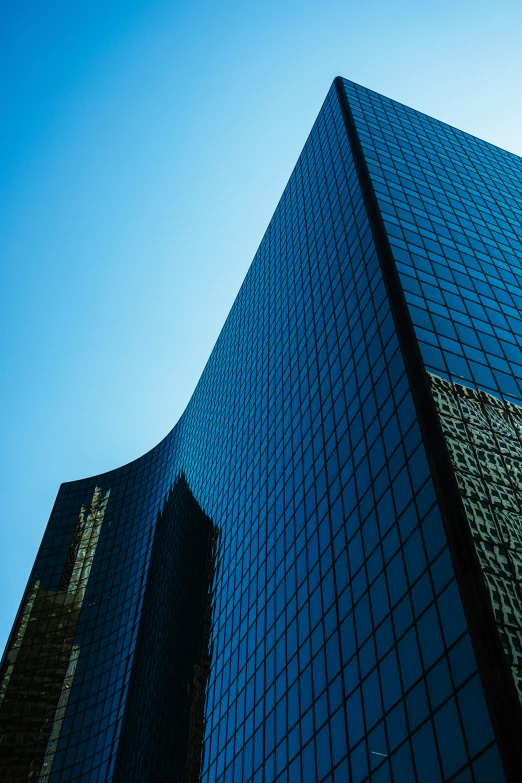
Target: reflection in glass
40, 663
484, 440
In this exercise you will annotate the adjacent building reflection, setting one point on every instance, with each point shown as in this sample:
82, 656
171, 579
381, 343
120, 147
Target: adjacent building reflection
163, 728
484, 439
40, 663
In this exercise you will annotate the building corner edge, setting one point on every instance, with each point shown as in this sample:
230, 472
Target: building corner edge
499, 689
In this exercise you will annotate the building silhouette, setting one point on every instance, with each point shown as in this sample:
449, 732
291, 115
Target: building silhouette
316, 576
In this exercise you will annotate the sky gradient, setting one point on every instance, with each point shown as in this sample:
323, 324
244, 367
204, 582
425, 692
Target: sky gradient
144, 147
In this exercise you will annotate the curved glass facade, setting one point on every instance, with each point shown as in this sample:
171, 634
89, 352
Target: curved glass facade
289, 587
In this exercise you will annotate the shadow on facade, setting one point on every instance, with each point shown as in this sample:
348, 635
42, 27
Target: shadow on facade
164, 725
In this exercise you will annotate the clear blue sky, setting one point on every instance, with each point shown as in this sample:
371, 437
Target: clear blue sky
144, 146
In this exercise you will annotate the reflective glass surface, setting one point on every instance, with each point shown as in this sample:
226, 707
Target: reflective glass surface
268, 595
483, 436
452, 210
452, 207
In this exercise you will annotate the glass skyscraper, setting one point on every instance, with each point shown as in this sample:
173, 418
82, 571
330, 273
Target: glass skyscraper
316, 576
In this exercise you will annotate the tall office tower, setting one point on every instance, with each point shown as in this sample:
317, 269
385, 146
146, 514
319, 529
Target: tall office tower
315, 577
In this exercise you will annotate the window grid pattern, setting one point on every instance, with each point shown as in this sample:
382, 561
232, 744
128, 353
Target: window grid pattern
339, 645
483, 436
452, 207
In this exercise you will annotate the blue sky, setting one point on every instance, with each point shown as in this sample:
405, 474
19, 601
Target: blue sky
144, 147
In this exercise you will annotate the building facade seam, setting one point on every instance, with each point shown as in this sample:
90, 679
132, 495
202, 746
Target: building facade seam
499, 688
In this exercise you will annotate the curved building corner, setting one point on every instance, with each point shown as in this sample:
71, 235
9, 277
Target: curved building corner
315, 577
